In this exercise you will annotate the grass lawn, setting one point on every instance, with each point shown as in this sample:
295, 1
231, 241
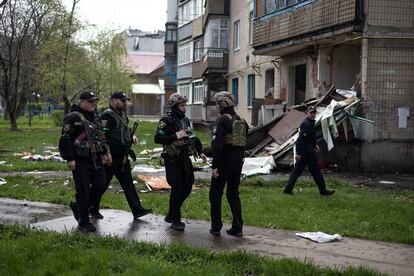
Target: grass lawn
42, 134
353, 212
29, 252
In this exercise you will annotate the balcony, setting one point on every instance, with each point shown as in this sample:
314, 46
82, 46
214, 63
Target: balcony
185, 71
185, 31
215, 60
285, 28
195, 112
216, 7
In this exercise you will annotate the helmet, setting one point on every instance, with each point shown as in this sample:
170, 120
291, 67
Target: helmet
225, 99
176, 99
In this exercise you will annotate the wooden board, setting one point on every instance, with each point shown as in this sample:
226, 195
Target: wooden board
287, 126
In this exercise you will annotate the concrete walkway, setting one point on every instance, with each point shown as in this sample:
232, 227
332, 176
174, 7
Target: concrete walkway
392, 258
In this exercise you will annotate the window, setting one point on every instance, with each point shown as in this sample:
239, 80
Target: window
190, 10
198, 92
197, 50
235, 89
250, 27
217, 33
236, 36
171, 33
250, 89
270, 6
185, 53
185, 91
198, 8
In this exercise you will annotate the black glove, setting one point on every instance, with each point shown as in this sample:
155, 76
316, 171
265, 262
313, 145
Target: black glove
132, 155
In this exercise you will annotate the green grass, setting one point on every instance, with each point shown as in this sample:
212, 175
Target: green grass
353, 212
30, 252
41, 135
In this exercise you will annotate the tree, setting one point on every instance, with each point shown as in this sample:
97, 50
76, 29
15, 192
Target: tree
21, 32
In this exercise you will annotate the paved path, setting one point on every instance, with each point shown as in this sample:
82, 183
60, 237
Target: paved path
392, 258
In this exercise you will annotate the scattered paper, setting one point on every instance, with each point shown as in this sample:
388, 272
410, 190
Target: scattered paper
319, 237
258, 165
143, 168
2, 181
386, 182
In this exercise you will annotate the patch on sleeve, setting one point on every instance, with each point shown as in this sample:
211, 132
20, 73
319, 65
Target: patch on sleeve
104, 123
78, 124
67, 127
161, 125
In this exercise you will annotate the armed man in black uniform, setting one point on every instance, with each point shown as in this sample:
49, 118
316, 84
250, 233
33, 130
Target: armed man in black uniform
82, 144
229, 140
306, 149
119, 139
174, 133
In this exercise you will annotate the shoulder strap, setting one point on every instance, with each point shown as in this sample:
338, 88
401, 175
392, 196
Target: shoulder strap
80, 115
117, 115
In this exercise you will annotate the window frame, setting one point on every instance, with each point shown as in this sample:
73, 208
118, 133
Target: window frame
235, 89
185, 53
197, 86
236, 35
251, 89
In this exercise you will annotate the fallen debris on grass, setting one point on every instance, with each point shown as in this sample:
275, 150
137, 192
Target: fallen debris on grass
319, 237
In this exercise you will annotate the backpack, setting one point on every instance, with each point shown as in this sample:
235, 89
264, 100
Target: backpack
237, 137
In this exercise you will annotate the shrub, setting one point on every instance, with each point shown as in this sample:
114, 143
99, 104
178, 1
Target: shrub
57, 117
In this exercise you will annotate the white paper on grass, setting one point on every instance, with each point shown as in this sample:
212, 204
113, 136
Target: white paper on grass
146, 169
319, 237
258, 165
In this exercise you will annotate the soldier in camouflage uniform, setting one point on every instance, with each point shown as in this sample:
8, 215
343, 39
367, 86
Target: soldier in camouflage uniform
179, 143
82, 144
229, 139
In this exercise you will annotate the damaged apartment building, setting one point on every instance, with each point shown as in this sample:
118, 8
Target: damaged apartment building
282, 53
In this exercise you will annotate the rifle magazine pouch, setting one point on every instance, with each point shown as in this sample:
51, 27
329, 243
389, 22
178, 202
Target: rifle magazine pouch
82, 149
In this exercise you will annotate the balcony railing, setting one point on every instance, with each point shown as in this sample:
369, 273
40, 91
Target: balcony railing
301, 19
214, 58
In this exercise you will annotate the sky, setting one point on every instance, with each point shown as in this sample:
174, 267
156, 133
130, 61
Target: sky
146, 15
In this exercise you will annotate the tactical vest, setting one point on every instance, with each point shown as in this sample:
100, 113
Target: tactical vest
182, 147
121, 134
237, 137
83, 148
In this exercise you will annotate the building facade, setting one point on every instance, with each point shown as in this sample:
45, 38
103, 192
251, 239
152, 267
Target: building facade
364, 44
145, 58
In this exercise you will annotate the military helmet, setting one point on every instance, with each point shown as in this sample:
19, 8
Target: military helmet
225, 99
176, 99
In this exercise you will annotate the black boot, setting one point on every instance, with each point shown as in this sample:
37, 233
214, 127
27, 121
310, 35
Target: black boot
95, 214
234, 233
328, 192
86, 227
178, 226
142, 212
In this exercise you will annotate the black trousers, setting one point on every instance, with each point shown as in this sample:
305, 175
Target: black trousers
125, 180
231, 176
180, 177
89, 186
309, 160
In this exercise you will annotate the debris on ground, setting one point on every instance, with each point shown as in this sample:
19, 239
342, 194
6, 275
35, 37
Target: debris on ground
3, 181
48, 156
319, 237
258, 165
336, 115
157, 183
155, 152
143, 168
4, 163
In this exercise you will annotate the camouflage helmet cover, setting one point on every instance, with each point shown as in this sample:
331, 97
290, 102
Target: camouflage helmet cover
225, 99
176, 99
